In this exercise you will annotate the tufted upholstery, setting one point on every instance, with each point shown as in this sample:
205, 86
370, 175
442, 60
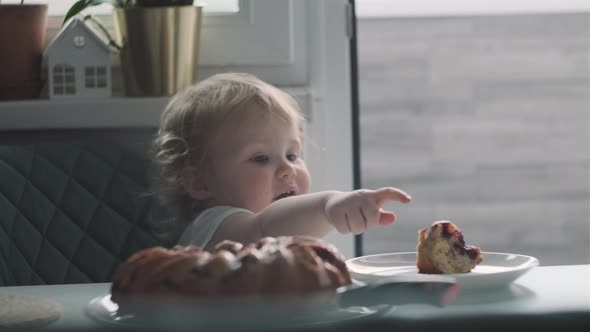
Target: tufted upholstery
70, 213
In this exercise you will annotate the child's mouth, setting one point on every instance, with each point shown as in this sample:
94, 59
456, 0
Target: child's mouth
284, 195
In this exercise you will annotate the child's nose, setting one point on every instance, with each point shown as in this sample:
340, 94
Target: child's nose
286, 170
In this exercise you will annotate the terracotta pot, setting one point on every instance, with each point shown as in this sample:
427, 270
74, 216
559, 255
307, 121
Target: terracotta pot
22, 38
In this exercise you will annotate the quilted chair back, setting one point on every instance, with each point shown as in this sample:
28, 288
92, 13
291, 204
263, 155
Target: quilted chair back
70, 213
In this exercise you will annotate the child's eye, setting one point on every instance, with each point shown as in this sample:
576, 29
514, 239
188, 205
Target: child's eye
291, 157
261, 159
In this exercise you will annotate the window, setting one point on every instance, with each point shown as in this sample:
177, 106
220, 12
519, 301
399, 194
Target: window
95, 77
430, 8
483, 119
64, 80
79, 41
60, 7
57, 8
263, 37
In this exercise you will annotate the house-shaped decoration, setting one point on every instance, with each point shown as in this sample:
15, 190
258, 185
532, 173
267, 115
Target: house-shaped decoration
79, 62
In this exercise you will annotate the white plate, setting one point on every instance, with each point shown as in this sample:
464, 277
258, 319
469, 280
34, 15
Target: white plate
200, 315
497, 269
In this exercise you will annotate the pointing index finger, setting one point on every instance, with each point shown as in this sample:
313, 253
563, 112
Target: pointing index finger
383, 195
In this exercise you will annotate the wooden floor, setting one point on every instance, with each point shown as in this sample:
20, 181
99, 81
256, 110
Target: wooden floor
484, 121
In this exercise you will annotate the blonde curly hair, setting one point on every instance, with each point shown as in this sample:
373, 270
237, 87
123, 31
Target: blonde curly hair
190, 119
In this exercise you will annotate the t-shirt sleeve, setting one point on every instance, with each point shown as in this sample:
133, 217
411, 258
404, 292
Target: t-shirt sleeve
201, 230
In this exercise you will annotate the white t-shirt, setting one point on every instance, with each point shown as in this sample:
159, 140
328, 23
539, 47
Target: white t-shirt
201, 230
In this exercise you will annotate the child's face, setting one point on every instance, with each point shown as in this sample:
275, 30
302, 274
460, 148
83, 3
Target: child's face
255, 161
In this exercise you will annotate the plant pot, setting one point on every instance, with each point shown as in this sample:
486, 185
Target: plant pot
22, 39
160, 48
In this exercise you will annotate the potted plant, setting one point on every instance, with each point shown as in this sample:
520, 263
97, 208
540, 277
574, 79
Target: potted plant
159, 42
22, 52
80, 5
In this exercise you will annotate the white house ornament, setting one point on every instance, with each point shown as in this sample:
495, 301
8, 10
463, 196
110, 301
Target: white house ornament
79, 62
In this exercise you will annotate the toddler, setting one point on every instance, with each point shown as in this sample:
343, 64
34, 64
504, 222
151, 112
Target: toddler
229, 156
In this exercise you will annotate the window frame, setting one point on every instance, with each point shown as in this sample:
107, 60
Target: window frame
61, 70
243, 41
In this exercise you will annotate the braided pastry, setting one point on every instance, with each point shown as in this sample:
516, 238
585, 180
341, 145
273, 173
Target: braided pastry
286, 264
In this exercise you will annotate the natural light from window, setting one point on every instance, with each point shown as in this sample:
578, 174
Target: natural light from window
479, 110
59, 7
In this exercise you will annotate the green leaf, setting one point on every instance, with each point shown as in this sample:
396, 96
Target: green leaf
80, 5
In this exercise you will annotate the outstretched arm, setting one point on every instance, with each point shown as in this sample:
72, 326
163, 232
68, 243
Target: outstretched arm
313, 214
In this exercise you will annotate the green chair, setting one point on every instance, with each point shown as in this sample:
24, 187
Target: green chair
70, 213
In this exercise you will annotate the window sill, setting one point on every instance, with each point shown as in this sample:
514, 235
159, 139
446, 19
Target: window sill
114, 112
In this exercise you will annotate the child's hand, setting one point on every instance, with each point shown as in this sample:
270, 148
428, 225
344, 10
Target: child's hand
360, 210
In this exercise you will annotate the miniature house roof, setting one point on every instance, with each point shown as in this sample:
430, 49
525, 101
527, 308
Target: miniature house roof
73, 24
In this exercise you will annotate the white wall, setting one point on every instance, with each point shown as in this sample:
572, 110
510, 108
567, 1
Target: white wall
389, 8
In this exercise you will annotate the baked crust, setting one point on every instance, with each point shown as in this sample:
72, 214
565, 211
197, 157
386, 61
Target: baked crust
442, 250
281, 265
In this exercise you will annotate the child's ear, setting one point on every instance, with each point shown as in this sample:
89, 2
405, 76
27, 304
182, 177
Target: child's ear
192, 181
